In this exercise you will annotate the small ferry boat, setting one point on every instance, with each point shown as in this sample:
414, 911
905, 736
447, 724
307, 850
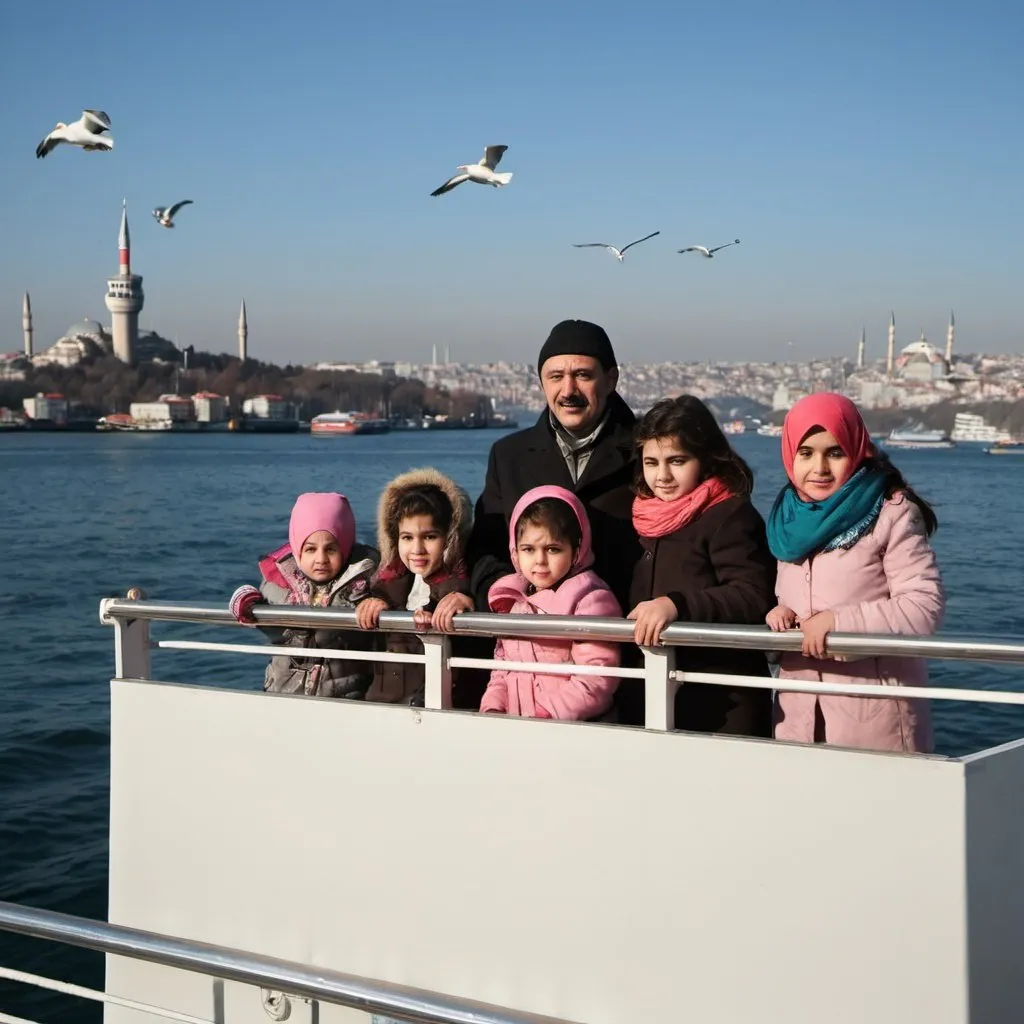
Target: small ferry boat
770, 430
1006, 448
330, 423
122, 421
918, 437
734, 427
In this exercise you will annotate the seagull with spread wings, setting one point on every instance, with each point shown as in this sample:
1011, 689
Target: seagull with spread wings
705, 251
165, 214
617, 253
482, 173
85, 132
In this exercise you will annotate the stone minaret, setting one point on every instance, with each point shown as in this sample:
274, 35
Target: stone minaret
860, 350
890, 356
26, 324
125, 297
950, 332
243, 335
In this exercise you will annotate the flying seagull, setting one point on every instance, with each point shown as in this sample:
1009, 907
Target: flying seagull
165, 214
482, 173
617, 253
707, 252
84, 132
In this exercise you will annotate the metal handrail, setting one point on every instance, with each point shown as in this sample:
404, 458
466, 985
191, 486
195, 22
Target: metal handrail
400, 1001
678, 634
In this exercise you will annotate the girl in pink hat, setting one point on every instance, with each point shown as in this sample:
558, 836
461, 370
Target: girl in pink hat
321, 566
550, 546
851, 538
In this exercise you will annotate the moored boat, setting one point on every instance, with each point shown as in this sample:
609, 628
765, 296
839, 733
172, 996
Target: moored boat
347, 423
918, 437
1006, 448
122, 421
969, 426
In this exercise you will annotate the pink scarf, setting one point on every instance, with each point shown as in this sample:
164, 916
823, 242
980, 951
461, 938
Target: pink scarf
653, 517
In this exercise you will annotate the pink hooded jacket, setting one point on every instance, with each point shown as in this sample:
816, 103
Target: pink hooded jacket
887, 582
534, 694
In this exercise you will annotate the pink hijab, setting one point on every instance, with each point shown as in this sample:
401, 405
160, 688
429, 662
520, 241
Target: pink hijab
834, 413
328, 511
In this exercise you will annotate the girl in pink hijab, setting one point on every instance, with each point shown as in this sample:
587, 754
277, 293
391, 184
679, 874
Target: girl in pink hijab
852, 543
321, 566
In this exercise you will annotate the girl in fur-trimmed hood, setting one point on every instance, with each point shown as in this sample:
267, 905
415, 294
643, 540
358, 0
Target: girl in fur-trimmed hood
423, 524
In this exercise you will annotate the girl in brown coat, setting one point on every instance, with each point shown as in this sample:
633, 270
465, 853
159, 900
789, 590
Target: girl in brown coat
423, 523
706, 559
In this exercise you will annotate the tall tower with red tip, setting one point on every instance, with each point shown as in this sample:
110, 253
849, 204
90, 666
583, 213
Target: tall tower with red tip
125, 297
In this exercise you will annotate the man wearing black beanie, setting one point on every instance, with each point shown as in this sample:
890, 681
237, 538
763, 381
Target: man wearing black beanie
583, 441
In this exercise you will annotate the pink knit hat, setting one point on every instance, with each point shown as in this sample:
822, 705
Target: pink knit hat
328, 511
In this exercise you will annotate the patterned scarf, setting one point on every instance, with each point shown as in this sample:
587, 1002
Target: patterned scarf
653, 517
798, 528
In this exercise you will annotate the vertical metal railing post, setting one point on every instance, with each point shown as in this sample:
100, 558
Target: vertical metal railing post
131, 640
659, 688
437, 647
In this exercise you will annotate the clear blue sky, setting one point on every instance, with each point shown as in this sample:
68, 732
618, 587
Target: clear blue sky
870, 157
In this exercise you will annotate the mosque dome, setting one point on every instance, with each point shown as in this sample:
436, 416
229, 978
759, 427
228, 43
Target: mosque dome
921, 347
921, 361
88, 327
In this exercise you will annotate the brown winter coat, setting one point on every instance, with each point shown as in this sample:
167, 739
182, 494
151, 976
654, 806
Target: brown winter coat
715, 569
397, 682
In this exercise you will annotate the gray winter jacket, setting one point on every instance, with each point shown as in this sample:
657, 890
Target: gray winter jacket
284, 583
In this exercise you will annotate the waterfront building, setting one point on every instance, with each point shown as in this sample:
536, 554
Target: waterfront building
51, 408
168, 409
266, 407
210, 407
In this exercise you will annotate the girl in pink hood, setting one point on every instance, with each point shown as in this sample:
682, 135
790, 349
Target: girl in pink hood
550, 545
852, 543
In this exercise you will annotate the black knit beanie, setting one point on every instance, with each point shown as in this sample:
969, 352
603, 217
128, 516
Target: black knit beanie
578, 338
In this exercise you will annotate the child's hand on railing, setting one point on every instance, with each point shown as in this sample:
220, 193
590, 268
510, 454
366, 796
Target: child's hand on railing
242, 601
422, 619
781, 618
447, 608
368, 612
651, 618
816, 629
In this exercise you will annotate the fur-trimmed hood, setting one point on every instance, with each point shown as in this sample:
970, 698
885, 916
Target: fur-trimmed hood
458, 532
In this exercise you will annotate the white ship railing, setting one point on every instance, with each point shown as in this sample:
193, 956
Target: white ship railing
131, 618
950, 821
282, 976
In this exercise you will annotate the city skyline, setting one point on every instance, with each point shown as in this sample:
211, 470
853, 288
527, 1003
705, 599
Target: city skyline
862, 157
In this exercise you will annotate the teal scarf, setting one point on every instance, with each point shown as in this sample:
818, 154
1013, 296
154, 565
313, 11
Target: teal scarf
799, 528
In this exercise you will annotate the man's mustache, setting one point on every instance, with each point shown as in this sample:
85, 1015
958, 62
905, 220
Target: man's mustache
573, 402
